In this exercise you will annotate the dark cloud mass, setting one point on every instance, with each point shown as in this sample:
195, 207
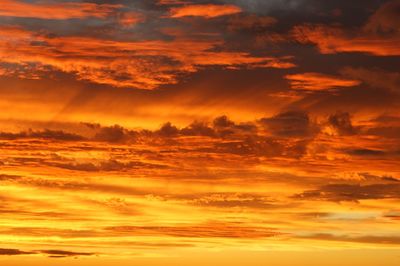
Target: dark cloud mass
50, 253
290, 124
13, 252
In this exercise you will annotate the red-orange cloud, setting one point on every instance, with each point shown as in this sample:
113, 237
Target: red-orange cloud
206, 11
128, 19
319, 82
139, 64
67, 10
331, 40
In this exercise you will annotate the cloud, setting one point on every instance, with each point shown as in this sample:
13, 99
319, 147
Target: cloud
378, 37
13, 252
386, 18
198, 129
173, 2
319, 82
394, 215
103, 165
63, 253
5, 177
366, 152
206, 11
341, 122
168, 130
207, 230
372, 239
376, 78
284, 135
225, 127
290, 124
350, 192
385, 131
261, 6
233, 200
43, 134
331, 40
112, 134
51, 253
226, 153
251, 146
129, 19
77, 185
221, 127
384, 126
64, 10
251, 22
144, 64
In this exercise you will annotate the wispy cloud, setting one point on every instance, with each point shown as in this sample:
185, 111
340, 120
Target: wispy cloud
207, 11
54, 10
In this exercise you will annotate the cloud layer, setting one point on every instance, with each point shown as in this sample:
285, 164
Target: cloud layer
147, 132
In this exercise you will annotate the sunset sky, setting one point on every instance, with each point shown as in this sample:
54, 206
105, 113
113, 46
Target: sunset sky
200, 132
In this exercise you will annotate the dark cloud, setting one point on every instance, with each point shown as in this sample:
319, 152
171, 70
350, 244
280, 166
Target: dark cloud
62, 253
106, 165
393, 215
267, 7
44, 134
386, 18
290, 124
341, 121
225, 127
366, 152
387, 119
13, 252
376, 78
4, 177
386, 132
223, 122
385, 126
198, 129
168, 130
113, 134
349, 192
50, 253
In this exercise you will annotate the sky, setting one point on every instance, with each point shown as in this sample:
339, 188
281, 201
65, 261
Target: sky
199, 132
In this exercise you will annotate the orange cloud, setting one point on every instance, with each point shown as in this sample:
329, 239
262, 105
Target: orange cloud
94, 174
319, 82
228, 175
128, 19
332, 40
138, 64
65, 10
206, 11
380, 36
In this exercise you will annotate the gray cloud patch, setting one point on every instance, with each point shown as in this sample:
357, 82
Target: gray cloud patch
267, 6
